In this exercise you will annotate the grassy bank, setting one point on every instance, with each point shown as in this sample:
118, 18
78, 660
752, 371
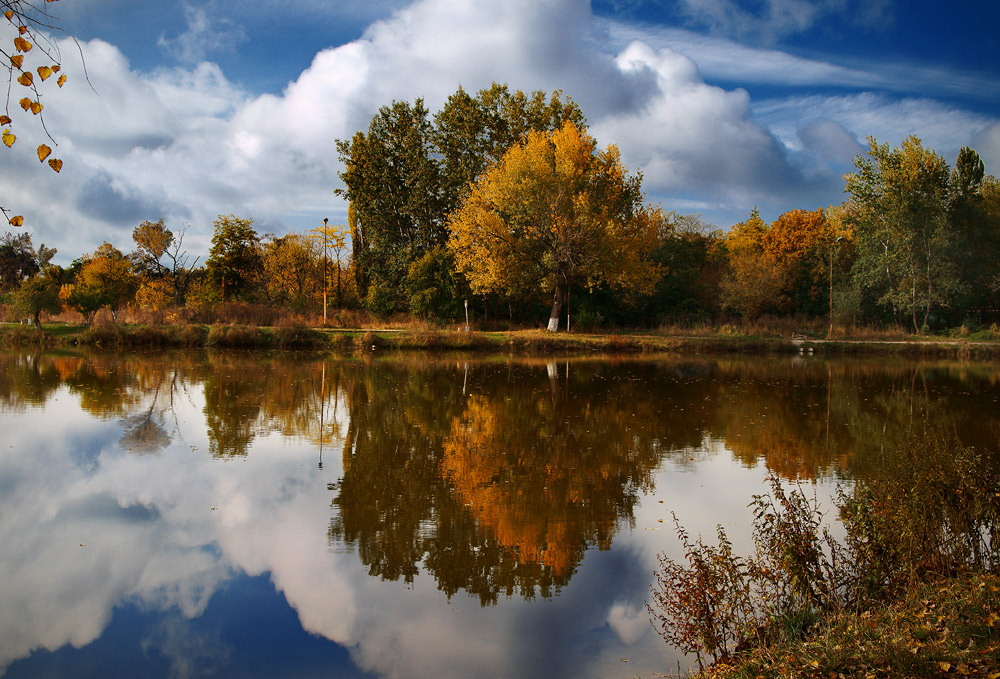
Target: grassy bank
946, 627
297, 336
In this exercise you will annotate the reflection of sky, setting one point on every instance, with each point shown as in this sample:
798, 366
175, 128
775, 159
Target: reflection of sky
190, 561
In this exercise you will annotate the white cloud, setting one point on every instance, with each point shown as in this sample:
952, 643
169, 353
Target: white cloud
942, 127
188, 144
204, 36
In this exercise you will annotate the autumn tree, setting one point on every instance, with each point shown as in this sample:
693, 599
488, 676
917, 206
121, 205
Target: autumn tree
797, 242
407, 173
107, 278
753, 279
35, 295
31, 57
553, 211
472, 133
235, 262
152, 241
906, 241
290, 267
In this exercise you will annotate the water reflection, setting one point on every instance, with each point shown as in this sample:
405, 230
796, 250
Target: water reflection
534, 486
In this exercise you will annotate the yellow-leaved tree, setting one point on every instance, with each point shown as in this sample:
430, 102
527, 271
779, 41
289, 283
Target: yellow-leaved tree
31, 57
552, 212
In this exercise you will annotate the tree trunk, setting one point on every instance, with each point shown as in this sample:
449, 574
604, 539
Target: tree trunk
557, 302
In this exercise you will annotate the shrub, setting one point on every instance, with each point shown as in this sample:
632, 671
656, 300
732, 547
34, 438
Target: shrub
931, 508
237, 336
295, 334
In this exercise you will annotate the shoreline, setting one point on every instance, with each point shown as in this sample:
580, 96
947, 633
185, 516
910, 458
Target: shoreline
113, 337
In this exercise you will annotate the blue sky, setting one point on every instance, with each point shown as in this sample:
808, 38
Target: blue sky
200, 108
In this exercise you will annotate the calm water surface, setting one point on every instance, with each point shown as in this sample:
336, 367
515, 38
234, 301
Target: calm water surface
228, 515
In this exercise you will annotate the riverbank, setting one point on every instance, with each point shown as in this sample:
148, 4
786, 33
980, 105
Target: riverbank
298, 337
942, 628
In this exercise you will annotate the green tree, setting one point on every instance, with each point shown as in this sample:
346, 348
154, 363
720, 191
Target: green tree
472, 133
977, 229
235, 261
35, 295
406, 174
18, 261
393, 184
434, 287
552, 212
906, 242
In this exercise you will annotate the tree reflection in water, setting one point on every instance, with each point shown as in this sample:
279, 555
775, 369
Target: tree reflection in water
496, 476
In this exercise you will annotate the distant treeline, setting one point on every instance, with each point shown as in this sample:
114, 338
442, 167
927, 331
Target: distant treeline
502, 200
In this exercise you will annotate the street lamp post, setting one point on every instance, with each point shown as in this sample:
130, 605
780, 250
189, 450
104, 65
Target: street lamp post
326, 221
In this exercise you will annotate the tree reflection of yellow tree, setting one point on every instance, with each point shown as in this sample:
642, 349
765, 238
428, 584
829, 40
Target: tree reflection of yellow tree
497, 493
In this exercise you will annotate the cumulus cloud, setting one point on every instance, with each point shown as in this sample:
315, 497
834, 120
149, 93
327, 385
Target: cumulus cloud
188, 144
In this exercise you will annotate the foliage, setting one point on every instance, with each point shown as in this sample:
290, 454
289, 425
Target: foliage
331, 237
19, 260
290, 270
407, 173
237, 336
106, 278
31, 45
434, 287
152, 240
235, 261
392, 184
753, 279
35, 295
721, 602
931, 509
906, 241
554, 211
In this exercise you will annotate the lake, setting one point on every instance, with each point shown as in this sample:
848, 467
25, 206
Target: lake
240, 515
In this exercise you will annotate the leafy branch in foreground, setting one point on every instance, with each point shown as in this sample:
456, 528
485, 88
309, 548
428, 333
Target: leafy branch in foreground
31, 57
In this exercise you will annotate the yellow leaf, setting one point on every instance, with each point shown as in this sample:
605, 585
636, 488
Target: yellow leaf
9, 14
44, 72
8, 138
55, 164
5, 120
25, 79
17, 221
56, 68
36, 107
21, 44
993, 675
25, 103
22, 29
962, 669
43, 152
17, 60
945, 666
61, 80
